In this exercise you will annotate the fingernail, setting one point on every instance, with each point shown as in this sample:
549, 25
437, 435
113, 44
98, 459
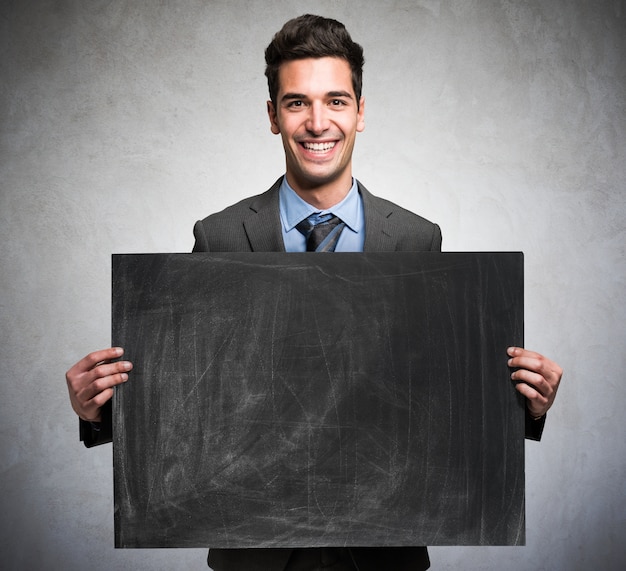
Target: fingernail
511, 351
124, 377
119, 351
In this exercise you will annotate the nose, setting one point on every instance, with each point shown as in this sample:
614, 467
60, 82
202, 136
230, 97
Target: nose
317, 120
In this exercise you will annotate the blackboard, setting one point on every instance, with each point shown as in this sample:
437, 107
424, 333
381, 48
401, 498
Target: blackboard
285, 400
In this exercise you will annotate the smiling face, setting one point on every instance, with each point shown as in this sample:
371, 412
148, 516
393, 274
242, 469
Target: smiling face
317, 116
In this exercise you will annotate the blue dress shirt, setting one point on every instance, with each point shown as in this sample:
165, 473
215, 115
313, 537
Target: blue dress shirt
294, 209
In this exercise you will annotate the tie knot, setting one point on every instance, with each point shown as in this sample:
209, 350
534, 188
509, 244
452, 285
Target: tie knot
321, 231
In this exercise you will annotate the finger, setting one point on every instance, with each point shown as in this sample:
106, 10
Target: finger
107, 370
91, 390
88, 401
535, 380
84, 372
94, 359
530, 392
524, 359
91, 410
536, 403
75, 375
520, 351
526, 362
101, 398
535, 365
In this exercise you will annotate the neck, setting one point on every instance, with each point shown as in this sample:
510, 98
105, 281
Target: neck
323, 196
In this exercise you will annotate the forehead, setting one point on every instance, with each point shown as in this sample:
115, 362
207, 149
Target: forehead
312, 76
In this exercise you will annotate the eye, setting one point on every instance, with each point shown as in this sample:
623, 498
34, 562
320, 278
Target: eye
295, 104
337, 102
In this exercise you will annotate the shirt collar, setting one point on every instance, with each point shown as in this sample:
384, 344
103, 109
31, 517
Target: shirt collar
294, 209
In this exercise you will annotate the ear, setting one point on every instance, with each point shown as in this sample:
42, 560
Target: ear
271, 112
360, 117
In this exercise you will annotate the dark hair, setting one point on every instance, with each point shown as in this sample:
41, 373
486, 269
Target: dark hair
311, 36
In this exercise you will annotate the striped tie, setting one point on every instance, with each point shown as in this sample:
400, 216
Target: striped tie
321, 231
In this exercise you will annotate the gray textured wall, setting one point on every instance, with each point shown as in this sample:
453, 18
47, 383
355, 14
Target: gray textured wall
123, 122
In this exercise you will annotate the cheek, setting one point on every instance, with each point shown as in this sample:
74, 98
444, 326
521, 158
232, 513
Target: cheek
350, 129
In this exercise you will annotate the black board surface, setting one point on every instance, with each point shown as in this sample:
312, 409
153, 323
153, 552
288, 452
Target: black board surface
285, 400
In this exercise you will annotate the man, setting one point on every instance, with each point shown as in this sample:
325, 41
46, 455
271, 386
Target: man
314, 72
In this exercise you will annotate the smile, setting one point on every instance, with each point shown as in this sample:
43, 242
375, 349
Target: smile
319, 147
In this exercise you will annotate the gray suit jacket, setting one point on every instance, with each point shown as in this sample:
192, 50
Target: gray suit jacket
253, 225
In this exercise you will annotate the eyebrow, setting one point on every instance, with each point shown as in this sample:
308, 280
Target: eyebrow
290, 96
339, 94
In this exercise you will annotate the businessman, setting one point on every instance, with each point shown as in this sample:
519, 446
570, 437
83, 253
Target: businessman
314, 73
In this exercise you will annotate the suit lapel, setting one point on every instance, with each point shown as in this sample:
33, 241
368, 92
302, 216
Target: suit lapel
379, 233
264, 230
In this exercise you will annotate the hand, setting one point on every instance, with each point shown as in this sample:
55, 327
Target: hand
90, 381
536, 377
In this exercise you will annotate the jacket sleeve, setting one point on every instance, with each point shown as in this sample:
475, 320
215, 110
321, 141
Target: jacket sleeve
202, 242
534, 428
435, 245
96, 433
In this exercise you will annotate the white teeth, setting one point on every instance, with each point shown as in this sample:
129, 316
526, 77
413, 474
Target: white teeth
319, 146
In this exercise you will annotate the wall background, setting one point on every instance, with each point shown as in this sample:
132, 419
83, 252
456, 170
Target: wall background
123, 122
